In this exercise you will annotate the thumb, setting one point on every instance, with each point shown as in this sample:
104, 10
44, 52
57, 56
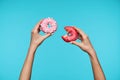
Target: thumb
47, 35
76, 43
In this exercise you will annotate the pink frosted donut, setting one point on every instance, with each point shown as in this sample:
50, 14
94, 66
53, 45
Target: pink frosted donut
45, 23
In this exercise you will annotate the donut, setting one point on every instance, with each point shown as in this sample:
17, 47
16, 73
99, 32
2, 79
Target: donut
72, 34
48, 25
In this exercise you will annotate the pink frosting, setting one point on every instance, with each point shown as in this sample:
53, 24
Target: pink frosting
44, 25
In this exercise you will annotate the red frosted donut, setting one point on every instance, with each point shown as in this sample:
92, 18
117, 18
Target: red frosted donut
45, 23
72, 34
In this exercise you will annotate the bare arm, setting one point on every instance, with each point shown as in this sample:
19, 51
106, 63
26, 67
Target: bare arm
86, 46
36, 40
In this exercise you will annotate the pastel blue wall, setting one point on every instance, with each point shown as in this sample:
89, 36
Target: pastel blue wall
55, 59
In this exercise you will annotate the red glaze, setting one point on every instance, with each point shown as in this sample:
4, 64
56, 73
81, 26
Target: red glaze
73, 34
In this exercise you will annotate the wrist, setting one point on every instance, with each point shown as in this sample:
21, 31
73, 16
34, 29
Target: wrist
92, 53
33, 46
32, 49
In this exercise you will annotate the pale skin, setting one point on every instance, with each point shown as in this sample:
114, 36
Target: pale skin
85, 45
36, 40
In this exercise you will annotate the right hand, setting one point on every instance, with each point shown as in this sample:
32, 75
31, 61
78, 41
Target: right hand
85, 43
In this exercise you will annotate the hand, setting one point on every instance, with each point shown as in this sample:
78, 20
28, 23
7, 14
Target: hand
36, 38
85, 43
86, 46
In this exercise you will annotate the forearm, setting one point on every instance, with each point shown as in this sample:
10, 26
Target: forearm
97, 70
27, 67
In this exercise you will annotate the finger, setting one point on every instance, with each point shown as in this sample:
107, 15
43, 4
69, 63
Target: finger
37, 27
38, 24
47, 35
81, 33
76, 43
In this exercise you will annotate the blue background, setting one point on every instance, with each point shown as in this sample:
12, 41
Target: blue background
55, 59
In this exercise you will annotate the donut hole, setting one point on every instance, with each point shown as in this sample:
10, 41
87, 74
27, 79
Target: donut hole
49, 25
69, 34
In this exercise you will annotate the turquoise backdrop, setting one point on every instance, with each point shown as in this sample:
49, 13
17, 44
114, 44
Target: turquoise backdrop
55, 59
